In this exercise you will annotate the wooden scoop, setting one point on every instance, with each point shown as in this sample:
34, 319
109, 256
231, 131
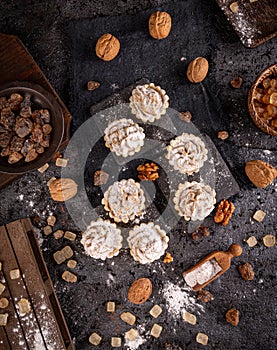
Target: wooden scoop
223, 259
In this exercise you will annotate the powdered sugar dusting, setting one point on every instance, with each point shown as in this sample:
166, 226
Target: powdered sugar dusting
135, 344
179, 299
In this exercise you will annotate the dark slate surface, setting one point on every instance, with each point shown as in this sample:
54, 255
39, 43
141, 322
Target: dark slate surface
61, 39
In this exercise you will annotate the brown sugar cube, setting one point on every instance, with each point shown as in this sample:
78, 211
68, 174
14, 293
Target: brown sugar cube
156, 311
69, 277
4, 302
189, 318
59, 257
269, 241
92, 85
51, 180
156, 330
116, 342
47, 230
222, 135
110, 306
72, 264
24, 306
2, 288
246, 271
232, 316
251, 241
58, 234
14, 274
61, 162
70, 235
43, 168
67, 251
202, 338
100, 177
95, 339
234, 7
128, 318
4, 319
131, 335
259, 215
51, 220
0, 265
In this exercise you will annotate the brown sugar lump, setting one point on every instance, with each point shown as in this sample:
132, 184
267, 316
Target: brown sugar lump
140, 291
131, 335
116, 342
4, 302
232, 316
70, 235
159, 25
246, 271
260, 173
128, 318
111, 306
24, 306
51, 220
156, 330
202, 338
95, 339
3, 319
72, 264
2, 288
189, 318
14, 274
67, 251
69, 277
259, 215
47, 230
59, 257
156, 311
107, 47
58, 234
269, 241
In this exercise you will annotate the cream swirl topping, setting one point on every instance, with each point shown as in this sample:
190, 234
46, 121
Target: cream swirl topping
147, 242
124, 137
187, 153
124, 200
102, 239
148, 102
194, 200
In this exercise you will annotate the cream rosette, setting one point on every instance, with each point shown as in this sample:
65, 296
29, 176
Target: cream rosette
124, 137
148, 102
147, 242
124, 200
187, 153
102, 239
194, 200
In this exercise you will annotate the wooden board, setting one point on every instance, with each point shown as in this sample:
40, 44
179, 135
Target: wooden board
16, 64
44, 327
255, 22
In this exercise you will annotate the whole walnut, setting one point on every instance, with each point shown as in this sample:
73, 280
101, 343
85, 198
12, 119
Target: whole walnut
62, 189
159, 25
197, 70
107, 47
260, 173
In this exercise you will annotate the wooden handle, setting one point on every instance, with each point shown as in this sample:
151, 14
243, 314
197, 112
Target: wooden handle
234, 250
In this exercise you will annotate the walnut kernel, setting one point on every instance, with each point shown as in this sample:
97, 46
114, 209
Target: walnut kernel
224, 212
148, 171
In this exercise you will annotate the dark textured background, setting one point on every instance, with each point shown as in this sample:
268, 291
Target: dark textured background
49, 30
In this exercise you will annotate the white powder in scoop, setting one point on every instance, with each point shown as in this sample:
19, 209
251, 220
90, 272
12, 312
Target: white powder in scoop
203, 273
178, 299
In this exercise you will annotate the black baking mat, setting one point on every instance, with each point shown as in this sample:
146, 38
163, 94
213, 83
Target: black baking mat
214, 104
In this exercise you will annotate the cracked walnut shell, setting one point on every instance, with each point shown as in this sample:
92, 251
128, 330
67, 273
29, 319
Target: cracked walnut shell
224, 212
148, 171
63, 189
107, 47
159, 25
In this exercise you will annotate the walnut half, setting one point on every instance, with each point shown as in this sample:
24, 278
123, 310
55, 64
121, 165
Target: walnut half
148, 171
224, 212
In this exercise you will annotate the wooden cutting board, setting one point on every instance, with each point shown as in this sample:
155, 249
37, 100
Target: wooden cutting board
16, 64
44, 327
